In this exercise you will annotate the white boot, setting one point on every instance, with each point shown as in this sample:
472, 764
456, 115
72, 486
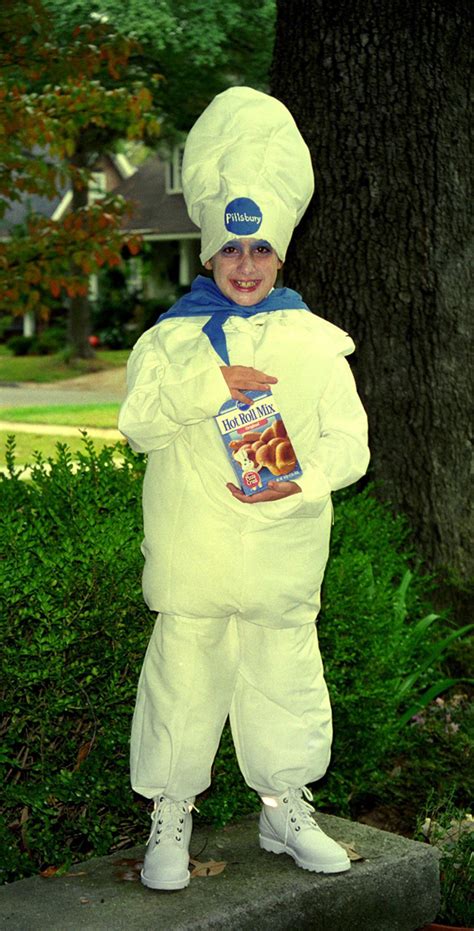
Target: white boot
287, 826
167, 852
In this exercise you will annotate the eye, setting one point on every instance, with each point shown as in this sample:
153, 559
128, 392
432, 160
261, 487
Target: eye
263, 250
228, 250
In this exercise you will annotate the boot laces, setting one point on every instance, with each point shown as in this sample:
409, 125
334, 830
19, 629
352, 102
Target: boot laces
168, 818
300, 812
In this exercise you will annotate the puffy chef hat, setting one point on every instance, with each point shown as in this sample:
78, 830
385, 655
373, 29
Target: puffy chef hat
246, 171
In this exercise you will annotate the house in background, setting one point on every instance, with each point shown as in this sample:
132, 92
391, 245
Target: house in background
110, 171
157, 213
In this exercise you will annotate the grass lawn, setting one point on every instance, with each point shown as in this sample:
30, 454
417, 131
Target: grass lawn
77, 415
28, 443
54, 368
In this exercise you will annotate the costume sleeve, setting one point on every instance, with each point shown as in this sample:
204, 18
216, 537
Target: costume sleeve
164, 397
342, 454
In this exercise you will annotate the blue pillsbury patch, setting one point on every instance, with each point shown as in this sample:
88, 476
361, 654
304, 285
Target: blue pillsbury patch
242, 216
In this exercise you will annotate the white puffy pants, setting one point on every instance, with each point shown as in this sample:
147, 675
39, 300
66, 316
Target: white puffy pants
199, 670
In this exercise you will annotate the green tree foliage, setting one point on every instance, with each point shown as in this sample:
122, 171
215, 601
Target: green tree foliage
76, 80
62, 104
199, 48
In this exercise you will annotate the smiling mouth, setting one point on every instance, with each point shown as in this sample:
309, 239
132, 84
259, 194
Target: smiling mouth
245, 285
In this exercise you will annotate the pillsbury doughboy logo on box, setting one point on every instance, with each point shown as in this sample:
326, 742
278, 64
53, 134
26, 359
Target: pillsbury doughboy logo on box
257, 443
242, 216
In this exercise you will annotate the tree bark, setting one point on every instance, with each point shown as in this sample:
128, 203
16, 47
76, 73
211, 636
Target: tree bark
79, 319
380, 93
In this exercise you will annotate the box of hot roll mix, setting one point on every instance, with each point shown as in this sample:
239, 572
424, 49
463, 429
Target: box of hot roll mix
257, 443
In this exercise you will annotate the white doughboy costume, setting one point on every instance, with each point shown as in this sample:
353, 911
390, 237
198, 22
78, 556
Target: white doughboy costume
237, 586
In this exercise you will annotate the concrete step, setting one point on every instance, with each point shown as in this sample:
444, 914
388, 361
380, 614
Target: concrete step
394, 888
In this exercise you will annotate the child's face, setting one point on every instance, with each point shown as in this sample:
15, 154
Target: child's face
245, 270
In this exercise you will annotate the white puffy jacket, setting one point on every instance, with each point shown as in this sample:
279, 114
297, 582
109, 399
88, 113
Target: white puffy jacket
206, 553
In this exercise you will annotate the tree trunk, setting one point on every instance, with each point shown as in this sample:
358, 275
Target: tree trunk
380, 93
79, 322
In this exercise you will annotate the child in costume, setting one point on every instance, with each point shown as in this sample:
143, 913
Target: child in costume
236, 580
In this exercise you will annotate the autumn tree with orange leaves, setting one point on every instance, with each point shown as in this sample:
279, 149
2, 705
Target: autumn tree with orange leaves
61, 107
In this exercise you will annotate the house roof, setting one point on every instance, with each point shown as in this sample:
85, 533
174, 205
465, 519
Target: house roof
156, 213
17, 211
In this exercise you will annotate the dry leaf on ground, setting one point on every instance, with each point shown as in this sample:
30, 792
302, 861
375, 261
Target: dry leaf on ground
210, 868
351, 851
61, 870
83, 753
131, 871
49, 871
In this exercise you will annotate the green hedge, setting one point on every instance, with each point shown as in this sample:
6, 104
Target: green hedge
75, 630
387, 665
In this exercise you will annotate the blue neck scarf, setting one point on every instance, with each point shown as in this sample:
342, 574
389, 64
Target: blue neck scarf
205, 298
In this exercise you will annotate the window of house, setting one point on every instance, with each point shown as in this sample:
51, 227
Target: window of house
175, 165
97, 186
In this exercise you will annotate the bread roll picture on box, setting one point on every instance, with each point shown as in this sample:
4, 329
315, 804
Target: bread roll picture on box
257, 442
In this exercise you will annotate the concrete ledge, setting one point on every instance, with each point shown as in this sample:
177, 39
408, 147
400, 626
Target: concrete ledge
395, 888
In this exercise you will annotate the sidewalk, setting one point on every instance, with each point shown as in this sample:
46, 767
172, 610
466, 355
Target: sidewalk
13, 426
95, 388
394, 888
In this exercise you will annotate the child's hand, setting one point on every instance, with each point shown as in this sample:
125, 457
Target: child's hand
273, 492
242, 376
